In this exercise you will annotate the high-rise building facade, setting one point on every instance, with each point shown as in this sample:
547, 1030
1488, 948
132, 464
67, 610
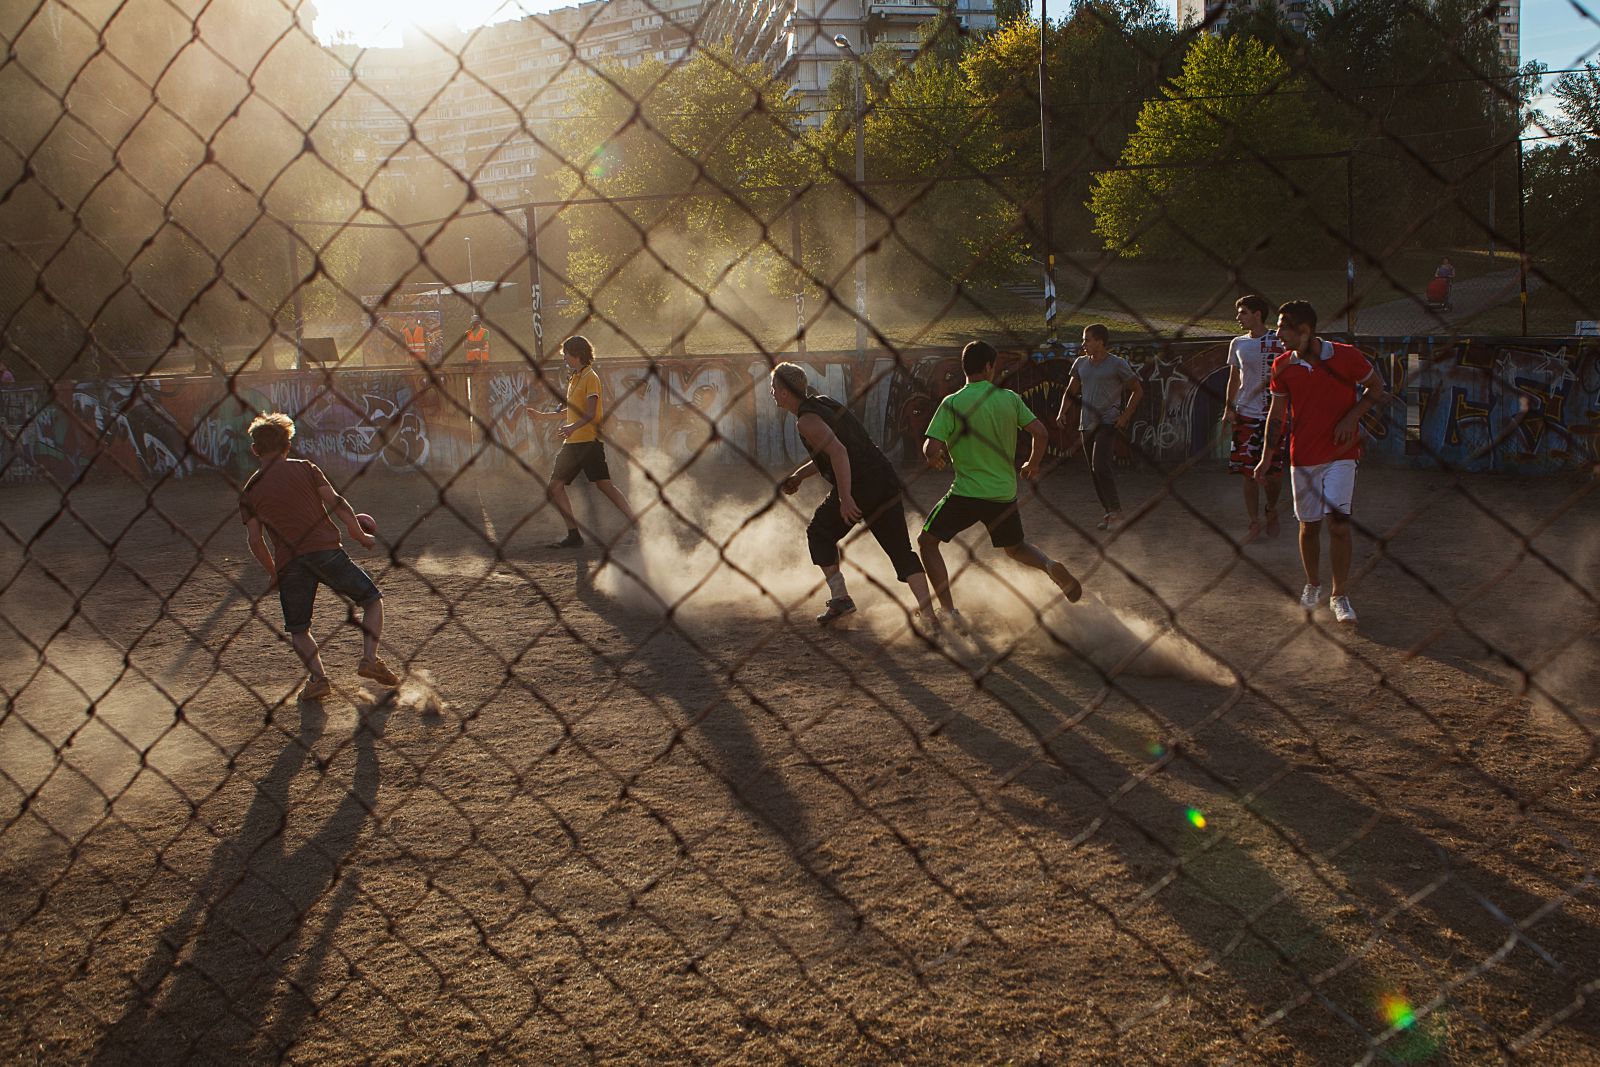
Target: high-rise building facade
481, 101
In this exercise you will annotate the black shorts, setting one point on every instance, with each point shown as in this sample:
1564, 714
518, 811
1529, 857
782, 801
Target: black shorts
582, 457
298, 581
884, 513
955, 513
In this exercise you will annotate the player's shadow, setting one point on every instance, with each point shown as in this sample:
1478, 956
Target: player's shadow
1447, 909
1427, 900
1228, 904
217, 984
699, 700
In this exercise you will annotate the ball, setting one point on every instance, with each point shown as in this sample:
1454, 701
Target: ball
367, 523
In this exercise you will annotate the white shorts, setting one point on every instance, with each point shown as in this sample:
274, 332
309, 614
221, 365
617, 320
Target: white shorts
1323, 488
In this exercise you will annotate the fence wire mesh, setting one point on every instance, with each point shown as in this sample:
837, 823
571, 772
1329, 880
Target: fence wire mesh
1100, 776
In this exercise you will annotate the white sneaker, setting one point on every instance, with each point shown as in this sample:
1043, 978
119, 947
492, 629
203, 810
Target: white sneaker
1310, 596
1342, 611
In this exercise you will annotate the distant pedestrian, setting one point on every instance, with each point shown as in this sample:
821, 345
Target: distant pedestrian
1446, 273
1098, 381
1250, 357
1324, 390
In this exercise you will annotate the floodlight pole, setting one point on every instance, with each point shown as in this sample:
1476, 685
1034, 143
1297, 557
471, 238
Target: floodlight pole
1049, 256
843, 43
531, 221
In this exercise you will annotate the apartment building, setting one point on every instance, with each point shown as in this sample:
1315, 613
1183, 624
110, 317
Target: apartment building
480, 101
795, 38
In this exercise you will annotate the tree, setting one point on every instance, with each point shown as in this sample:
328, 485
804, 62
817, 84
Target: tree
1423, 91
1103, 62
717, 133
1209, 171
1563, 189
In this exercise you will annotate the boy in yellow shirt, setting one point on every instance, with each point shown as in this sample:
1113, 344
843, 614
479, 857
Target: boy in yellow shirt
583, 453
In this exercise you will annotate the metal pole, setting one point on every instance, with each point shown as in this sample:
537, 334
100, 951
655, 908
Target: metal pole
1522, 241
531, 221
1044, 186
471, 275
298, 298
861, 194
1350, 242
799, 278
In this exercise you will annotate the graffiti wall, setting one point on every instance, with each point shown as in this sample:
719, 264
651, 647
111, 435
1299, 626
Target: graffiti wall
1476, 405
1515, 407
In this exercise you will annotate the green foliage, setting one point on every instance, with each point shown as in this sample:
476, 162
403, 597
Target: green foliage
1421, 90
1214, 182
1563, 189
708, 126
1104, 60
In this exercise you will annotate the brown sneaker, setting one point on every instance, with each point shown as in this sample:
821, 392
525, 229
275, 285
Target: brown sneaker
378, 671
1069, 586
315, 689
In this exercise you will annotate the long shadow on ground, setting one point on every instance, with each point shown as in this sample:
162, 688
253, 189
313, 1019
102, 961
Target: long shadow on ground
214, 987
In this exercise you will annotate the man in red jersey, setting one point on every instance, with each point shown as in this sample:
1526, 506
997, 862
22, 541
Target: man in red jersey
1324, 389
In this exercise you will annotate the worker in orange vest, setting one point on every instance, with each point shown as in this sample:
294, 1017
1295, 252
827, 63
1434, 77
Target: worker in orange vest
417, 341
477, 342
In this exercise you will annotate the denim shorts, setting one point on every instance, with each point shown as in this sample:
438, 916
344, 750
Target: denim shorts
298, 581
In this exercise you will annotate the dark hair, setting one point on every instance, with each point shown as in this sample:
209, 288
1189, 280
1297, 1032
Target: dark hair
1255, 303
579, 346
1299, 313
1098, 331
978, 357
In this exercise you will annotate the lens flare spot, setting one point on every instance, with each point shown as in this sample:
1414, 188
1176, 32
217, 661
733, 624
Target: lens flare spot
1156, 749
1397, 1012
1196, 817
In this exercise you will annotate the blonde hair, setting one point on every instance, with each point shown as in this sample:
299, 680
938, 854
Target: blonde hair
792, 377
270, 433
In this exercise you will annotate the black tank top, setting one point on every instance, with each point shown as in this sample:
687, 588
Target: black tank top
868, 465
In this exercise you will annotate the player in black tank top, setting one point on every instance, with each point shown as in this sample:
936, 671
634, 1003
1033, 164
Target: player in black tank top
865, 488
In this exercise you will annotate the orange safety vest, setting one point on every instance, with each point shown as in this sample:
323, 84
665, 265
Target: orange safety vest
416, 341
477, 345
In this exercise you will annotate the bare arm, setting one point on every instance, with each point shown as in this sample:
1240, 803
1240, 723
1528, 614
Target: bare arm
791, 484
1041, 441
1135, 394
1074, 389
343, 512
823, 439
1235, 380
591, 405
1270, 435
259, 548
1372, 392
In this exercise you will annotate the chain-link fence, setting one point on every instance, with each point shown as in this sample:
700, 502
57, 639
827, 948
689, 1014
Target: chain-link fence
1110, 734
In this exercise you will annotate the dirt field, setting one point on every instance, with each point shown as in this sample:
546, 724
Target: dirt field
610, 831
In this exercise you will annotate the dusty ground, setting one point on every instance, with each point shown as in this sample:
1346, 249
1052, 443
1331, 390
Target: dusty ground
725, 836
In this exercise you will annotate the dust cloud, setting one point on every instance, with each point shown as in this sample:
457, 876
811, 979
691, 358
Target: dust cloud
702, 557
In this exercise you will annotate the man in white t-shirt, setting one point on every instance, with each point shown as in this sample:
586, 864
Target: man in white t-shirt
1250, 357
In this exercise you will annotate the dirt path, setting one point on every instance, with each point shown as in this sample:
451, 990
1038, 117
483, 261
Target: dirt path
716, 833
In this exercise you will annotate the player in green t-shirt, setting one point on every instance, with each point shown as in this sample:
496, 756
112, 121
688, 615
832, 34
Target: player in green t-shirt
976, 430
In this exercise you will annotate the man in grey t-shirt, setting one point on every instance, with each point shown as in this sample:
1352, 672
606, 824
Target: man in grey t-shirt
1098, 381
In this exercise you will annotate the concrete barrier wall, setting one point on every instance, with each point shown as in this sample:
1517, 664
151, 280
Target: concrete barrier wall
1475, 405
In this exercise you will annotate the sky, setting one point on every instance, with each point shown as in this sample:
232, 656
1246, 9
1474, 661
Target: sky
1553, 31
